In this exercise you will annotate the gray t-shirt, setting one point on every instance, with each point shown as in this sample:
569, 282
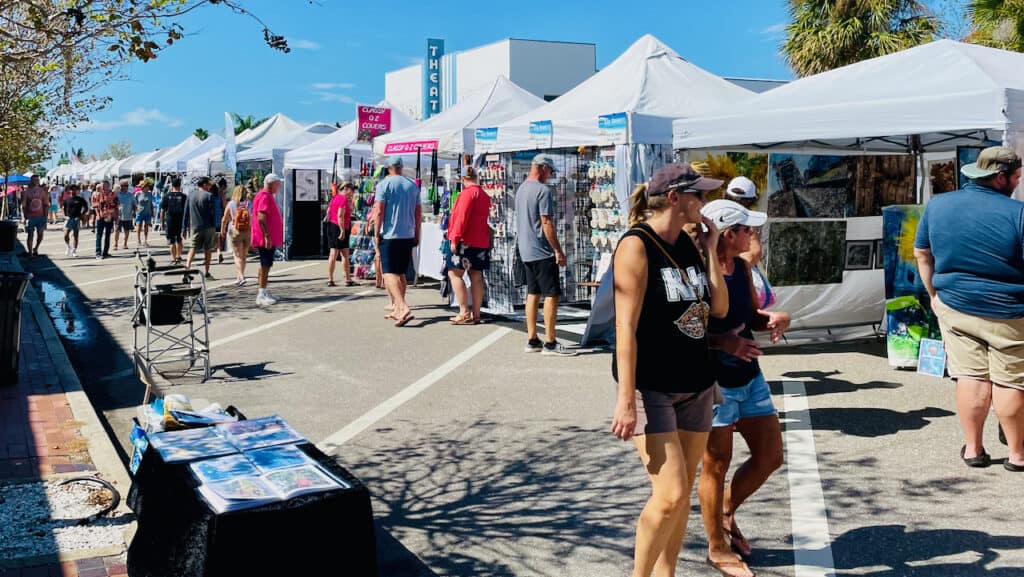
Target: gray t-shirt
200, 210
533, 200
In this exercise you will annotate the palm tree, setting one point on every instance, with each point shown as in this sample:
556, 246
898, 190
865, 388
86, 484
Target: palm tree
827, 34
246, 122
201, 133
997, 23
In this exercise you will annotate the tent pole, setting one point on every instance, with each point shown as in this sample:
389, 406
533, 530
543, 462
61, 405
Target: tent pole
915, 143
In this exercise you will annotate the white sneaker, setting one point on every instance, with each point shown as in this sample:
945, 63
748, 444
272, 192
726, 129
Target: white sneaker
74, 253
264, 301
67, 250
273, 299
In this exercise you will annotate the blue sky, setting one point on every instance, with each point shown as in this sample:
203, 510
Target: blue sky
341, 50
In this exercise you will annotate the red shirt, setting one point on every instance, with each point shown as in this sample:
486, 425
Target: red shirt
265, 203
340, 201
469, 219
106, 205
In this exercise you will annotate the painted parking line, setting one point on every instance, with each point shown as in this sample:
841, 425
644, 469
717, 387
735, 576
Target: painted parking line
272, 273
331, 443
288, 319
812, 544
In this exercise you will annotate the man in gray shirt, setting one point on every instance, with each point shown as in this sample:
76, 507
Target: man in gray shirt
200, 217
541, 253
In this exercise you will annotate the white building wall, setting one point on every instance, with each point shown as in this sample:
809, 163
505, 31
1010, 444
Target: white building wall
403, 89
550, 69
479, 67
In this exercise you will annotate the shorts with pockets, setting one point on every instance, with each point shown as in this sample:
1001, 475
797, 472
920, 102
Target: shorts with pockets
35, 223
981, 347
173, 232
143, 218
204, 239
472, 258
658, 412
542, 278
395, 255
333, 232
124, 225
753, 399
73, 224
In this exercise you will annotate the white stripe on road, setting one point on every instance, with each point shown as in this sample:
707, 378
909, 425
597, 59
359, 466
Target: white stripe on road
272, 273
288, 319
103, 280
99, 281
812, 544
377, 413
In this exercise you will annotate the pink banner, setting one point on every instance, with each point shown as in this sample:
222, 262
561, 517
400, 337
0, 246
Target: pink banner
373, 122
411, 147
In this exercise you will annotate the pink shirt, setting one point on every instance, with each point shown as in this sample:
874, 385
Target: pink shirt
265, 203
339, 201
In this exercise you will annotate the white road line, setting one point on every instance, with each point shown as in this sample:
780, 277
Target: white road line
377, 413
272, 273
812, 544
288, 319
98, 281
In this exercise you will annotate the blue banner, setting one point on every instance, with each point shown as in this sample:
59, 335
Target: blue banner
612, 129
432, 78
541, 134
485, 139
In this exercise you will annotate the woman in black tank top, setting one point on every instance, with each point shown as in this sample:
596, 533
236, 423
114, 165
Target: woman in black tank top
665, 293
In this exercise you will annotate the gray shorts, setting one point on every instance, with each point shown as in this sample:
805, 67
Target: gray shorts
658, 412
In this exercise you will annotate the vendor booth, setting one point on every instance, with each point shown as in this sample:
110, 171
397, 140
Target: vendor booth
165, 161
180, 162
607, 134
851, 144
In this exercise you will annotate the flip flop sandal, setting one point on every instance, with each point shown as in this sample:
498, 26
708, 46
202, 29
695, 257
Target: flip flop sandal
402, 321
466, 321
1014, 468
721, 566
736, 542
980, 462
331, 283
457, 319
350, 283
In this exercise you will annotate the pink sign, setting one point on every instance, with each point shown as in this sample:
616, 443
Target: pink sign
373, 122
411, 147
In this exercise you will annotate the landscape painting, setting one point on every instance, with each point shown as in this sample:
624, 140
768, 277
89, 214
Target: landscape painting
807, 252
884, 181
810, 186
899, 227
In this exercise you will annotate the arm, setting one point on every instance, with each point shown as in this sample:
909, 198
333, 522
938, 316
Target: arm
341, 219
261, 220
225, 219
775, 321
378, 221
926, 268
716, 279
548, 227
630, 285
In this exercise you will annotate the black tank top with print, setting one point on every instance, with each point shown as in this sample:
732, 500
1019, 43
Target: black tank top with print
671, 335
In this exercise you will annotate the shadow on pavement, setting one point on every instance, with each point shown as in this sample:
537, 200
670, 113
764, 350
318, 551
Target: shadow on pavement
824, 384
869, 422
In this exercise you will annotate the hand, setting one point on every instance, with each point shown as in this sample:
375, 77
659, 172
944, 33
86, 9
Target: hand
778, 323
625, 419
560, 258
742, 348
710, 238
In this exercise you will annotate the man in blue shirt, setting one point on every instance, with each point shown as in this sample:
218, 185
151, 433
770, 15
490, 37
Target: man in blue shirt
970, 254
398, 228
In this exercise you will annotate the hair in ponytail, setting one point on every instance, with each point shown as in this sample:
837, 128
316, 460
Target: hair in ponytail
640, 205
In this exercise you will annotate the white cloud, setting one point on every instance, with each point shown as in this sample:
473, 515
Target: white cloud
333, 85
302, 44
137, 117
325, 96
775, 29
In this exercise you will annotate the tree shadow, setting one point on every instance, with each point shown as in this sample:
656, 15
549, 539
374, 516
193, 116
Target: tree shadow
870, 422
823, 383
246, 372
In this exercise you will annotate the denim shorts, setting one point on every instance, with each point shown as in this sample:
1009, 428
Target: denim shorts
35, 223
751, 400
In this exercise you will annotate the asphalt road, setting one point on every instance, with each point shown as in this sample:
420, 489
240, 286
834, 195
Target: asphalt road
485, 461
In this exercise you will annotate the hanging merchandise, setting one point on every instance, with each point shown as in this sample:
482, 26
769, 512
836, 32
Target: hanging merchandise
607, 221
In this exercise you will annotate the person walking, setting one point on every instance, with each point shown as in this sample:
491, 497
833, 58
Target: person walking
172, 218
106, 205
86, 192
201, 219
126, 213
665, 293
267, 234
743, 191
470, 239
220, 202
339, 223
745, 405
968, 251
144, 203
158, 196
35, 205
541, 254
399, 231
55, 202
236, 224
75, 208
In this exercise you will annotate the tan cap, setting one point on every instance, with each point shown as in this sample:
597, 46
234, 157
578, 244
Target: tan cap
991, 161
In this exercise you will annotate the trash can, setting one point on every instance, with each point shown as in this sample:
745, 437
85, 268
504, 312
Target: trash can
8, 232
12, 291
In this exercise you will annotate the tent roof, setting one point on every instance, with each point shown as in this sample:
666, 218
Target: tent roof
320, 153
180, 162
263, 148
167, 156
938, 90
271, 128
649, 81
135, 164
489, 106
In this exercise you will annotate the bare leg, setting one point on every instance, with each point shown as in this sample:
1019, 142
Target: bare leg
662, 456
346, 265
191, 257
550, 318
973, 399
263, 277
75, 246
39, 241
764, 437
459, 288
393, 283
208, 257
717, 457
532, 304
476, 277
333, 256
693, 448
1009, 404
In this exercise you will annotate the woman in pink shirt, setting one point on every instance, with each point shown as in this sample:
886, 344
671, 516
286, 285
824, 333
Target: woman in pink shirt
339, 224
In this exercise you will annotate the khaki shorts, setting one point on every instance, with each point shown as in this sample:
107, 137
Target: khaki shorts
981, 347
204, 239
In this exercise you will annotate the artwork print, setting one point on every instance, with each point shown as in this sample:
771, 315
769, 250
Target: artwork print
899, 228
810, 186
859, 254
307, 185
883, 181
942, 176
806, 252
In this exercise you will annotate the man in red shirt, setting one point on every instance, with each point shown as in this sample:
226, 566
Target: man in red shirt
470, 240
106, 205
267, 233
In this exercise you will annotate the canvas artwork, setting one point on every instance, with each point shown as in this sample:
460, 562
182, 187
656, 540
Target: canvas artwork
965, 155
942, 176
859, 254
807, 252
810, 186
883, 181
899, 227
727, 166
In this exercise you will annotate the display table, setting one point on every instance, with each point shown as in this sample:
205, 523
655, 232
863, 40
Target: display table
430, 259
328, 533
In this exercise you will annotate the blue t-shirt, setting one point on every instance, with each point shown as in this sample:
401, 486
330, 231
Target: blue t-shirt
977, 238
400, 196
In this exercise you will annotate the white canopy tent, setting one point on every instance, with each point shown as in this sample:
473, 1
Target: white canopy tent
163, 162
181, 161
453, 129
274, 128
649, 82
320, 154
136, 164
264, 148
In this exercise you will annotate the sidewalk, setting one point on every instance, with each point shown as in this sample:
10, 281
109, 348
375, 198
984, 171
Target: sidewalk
50, 432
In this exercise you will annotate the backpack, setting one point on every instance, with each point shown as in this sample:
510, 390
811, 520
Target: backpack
175, 204
242, 220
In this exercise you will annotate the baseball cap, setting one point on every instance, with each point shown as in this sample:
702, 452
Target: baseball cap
741, 187
728, 213
545, 160
680, 177
395, 161
992, 160
270, 179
